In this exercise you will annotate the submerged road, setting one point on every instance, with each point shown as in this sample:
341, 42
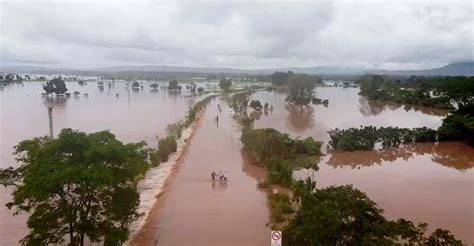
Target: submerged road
196, 211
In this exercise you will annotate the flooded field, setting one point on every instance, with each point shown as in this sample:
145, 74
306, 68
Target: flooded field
139, 115
431, 183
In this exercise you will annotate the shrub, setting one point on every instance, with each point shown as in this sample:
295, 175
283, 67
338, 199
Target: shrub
280, 205
280, 172
166, 146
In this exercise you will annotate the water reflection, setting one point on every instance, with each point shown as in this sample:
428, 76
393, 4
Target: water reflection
300, 118
455, 155
218, 186
58, 101
375, 107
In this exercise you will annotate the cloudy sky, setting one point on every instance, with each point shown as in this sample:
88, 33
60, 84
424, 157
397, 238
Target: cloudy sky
242, 34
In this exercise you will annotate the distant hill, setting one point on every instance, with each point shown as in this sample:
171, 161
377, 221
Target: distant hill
453, 69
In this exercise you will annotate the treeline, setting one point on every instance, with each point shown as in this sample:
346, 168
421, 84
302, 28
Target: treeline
458, 126
365, 138
439, 92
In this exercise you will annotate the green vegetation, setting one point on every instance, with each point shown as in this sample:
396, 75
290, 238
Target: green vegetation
267, 143
79, 185
281, 78
336, 215
459, 125
169, 145
343, 215
239, 101
192, 112
279, 153
301, 88
439, 92
225, 84
280, 205
173, 85
56, 86
280, 172
166, 146
365, 138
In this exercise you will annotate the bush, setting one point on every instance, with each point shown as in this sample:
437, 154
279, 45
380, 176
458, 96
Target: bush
307, 146
175, 129
280, 172
155, 158
225, 84
279, 205
166, 146
365, 138
344, 215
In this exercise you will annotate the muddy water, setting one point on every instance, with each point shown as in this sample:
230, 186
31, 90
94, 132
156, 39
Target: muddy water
140, 115
422, 182
196, 211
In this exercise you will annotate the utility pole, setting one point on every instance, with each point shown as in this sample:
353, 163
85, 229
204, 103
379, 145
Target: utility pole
50, 106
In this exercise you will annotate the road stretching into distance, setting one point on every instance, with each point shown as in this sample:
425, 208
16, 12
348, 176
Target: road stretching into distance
193, 210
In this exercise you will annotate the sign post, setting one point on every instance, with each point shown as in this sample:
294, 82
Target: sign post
276, 238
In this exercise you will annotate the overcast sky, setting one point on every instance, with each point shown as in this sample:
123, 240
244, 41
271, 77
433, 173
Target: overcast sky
241, 34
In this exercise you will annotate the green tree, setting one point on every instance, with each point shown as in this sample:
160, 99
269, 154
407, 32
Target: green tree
301, 88
225, 84
173, 85
281, 78
77, 186
343, 215
56, 85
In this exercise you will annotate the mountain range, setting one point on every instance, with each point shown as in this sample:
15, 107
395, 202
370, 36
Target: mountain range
453, 69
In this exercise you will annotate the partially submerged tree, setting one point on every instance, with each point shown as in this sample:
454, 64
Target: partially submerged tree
77, 186
173, 85
225, 84
281, 78
56, 86
301, 88
154, 86
343, 215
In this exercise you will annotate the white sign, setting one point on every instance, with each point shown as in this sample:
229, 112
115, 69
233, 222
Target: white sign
276, 238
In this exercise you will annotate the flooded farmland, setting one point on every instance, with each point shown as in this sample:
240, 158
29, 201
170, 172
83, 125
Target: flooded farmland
427, 182
132, 115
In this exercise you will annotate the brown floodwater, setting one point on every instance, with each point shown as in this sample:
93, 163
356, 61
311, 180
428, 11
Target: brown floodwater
428, 182
196, 211
431, 183
140, 115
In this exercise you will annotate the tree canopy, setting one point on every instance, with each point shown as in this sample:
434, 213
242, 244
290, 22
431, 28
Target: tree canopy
281, 78
56, 86
173, 85
225, 84
301, 88
344, 215
77, 185
439, 92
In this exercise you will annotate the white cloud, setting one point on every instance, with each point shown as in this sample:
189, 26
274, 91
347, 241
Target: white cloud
245, 34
